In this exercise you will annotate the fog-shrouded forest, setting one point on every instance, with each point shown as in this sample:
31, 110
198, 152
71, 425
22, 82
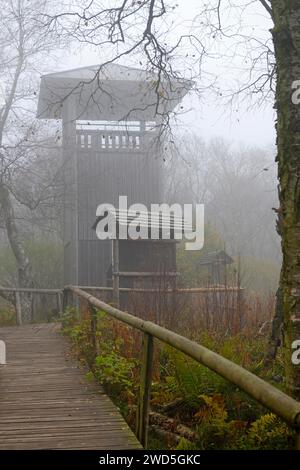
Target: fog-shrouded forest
172, 105
237, 185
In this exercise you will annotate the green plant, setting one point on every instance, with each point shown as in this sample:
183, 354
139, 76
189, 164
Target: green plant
113, 365
115, 372
270, 432
68, 319
222, 416
7, 317
215, 430
184, 444
191, 379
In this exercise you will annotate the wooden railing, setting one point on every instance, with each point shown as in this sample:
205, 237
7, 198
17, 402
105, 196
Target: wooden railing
276, 401
16, 291
112, 141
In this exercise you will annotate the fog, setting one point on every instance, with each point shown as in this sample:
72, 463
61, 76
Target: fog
149, 227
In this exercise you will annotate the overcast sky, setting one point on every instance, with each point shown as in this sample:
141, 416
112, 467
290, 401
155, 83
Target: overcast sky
207, 116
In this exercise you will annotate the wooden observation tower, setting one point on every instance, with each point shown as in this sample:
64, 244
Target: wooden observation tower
111, 118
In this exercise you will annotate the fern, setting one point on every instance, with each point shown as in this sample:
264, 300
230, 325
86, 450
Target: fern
193, 379
184, 444
270, 432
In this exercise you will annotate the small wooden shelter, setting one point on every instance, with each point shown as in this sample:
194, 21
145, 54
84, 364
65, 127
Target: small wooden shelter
143, 262
216, 262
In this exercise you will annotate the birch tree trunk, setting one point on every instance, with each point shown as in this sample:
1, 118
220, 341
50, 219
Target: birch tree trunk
19, 24
16, 244
286, 37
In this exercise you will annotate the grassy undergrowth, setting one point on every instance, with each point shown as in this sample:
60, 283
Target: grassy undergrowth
219, 414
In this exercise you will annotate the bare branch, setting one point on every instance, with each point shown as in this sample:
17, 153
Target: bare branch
267, 7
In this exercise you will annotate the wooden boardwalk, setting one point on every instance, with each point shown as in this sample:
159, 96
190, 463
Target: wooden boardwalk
46, 401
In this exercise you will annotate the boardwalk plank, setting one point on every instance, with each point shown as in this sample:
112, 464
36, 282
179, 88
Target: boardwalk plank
46, 401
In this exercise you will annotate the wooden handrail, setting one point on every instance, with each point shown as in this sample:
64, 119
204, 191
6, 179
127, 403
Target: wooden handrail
275, 400
31, 290
177, 290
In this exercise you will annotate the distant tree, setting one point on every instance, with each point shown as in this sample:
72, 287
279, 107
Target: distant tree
237, 186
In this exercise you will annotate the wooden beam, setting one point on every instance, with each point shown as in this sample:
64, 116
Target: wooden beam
115, 272
30, 290
146, 274
145, 390
70, 169
18, 308
60, 303
193, 290
2, 353
93, 315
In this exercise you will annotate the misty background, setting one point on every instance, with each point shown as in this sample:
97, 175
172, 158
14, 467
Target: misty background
222, 154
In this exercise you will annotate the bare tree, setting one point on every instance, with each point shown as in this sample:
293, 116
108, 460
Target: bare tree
22, 49
237, 186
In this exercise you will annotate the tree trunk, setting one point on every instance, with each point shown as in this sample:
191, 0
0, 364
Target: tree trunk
286, 37
276, 329
24, 268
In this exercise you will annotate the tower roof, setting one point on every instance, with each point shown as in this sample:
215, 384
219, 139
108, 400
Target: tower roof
109, 92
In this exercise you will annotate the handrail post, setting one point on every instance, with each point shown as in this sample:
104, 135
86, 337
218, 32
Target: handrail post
115, 272
60, 303
93, 313
2, 353
18, 308
65, 299
142, 422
